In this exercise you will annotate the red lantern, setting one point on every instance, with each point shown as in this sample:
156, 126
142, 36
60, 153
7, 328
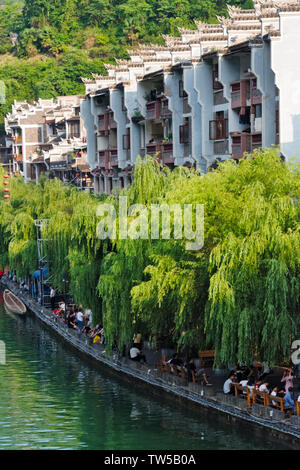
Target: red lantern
6, 183
6, 196
6, 190
6, 176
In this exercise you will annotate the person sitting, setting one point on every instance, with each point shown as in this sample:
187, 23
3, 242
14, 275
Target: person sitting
96, 339
274, 394
227, 387
175, 362
264, 387
244, 383
136, 355
201, 377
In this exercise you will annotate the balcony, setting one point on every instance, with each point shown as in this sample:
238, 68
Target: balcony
102, 123
219, 97
165, 111
238, 94
153, 110
152, 149
113, 157
256, 141
102, 159
167, 152
221, 147
112, 124
256, 96
245, 143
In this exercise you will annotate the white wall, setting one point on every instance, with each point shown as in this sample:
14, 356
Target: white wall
285, 62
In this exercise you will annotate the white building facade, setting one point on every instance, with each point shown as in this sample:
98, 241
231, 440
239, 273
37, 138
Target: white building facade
215, 93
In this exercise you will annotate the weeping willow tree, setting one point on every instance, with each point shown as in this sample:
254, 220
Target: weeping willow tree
239, 294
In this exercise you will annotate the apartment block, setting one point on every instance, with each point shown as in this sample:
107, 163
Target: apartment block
49, 136
217, 92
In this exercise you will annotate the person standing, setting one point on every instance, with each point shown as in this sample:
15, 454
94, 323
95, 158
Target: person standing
288, 377
52, 298
79, 318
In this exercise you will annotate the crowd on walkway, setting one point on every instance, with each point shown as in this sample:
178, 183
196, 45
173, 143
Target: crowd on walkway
258, 378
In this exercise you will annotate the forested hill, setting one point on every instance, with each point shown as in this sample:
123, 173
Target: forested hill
55, 42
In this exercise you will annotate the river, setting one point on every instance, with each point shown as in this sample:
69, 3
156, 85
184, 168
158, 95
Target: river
51, 398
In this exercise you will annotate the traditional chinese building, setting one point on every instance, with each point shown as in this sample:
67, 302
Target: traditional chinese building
48, 136
214, 93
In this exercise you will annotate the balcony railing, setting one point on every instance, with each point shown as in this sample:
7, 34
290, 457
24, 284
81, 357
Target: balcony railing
102, 122
153, 110
219, 97
152, 149
112, 124
167, 152
238, 94
221, 147
245, 143
102, 158
256, 96
113, 157
165, 111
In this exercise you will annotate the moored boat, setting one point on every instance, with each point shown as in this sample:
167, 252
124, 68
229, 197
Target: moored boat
13, 304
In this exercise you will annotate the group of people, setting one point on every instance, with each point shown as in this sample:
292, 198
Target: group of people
177, 365
257, 380
80, 320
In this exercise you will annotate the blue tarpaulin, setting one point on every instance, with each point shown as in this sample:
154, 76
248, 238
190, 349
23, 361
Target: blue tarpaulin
36, 274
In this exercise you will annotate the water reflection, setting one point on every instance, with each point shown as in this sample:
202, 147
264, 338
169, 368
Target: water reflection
50, 398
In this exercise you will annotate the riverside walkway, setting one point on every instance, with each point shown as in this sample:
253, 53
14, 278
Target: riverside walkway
271, 423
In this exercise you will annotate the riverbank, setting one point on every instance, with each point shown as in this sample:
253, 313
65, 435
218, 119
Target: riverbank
200, 398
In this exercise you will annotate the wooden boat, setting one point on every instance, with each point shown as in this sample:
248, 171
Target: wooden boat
13, 304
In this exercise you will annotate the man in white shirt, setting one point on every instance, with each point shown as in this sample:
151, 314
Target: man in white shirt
227, 385
244, 383
136, 355
264, 387
52, 298
79, 318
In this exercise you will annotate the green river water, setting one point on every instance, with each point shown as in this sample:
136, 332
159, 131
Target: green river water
51, 398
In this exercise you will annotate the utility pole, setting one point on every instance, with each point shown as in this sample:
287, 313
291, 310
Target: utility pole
40, 224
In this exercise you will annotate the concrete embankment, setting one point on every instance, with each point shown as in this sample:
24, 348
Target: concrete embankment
270, 424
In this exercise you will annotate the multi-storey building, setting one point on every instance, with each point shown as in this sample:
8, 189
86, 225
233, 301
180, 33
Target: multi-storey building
216, 92
48, 136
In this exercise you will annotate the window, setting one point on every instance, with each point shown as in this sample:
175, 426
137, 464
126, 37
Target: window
258, 110
184, 133
182, 93
126, 141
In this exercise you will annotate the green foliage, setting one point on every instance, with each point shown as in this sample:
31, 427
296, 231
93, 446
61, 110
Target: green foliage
240, 294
